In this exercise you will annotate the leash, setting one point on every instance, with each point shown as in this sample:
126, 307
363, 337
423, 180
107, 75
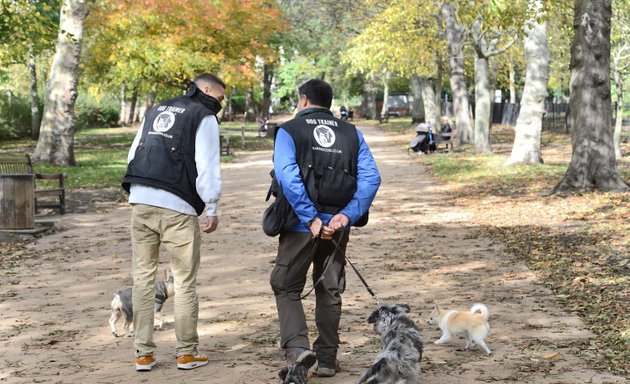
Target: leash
365, 284
329, 261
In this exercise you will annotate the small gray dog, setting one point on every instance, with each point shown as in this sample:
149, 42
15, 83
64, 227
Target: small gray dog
401, 347
122, 303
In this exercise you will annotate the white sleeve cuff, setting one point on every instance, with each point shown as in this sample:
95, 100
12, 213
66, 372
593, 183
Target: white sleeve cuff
211, 209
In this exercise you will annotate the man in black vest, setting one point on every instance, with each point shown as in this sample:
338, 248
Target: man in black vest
173, 175
329, 177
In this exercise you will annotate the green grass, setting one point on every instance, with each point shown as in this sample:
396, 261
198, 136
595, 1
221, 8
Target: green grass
101, 155
96, 168
394, 124
468, 168
249, 126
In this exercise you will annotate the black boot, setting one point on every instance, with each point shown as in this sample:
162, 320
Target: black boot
300, 355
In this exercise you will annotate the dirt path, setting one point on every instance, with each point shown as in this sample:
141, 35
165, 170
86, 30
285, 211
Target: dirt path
55, 306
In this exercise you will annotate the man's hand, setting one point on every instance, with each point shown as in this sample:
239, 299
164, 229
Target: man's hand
317, 226
211, 224
338, 222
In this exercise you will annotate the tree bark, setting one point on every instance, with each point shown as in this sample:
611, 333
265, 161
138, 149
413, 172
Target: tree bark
485, 47
150, 100
431, 110
32, 69
385, 107
56, 140
593, 163
268, 69
229, 111
619, 76
132, 106
454, 36
369, 99
513, 84
526, 148
250, 107
123, 105
416, 106
483, 105
438, 86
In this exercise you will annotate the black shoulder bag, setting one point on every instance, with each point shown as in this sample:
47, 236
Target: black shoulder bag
279, 216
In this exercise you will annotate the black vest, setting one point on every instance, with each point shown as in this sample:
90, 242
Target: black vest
165, 157
327, 151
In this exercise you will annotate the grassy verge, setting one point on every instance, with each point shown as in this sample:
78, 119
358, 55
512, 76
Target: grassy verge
101, 155
578, 245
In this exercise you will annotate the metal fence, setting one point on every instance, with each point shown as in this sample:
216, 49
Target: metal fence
556, 117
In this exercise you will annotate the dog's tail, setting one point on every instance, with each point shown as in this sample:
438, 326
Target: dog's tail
481, 308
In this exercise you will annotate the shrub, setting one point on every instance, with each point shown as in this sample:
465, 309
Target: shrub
91, 113
15, 117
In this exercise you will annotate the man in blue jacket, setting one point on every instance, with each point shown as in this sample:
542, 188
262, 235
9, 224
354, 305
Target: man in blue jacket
329, 177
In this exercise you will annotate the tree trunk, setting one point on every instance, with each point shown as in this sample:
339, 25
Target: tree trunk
513, 83
454, 36
483, 106
485, 47
132, 106
528, 129
267, 81
32, 69
229, 112
593, 163
250, 107
619, 80
438, 86
439, 61
385, 107
369, 99
431, 111
56, 140
123, 105
150, 101
416, 107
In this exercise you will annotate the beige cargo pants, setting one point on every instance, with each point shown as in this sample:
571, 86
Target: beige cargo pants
180, 235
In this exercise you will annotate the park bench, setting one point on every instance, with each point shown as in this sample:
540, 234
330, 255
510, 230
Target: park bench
385, 118
444, 141
45, 196
225, 145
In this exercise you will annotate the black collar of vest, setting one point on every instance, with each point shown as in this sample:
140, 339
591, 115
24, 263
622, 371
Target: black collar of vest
308, 111
207, 101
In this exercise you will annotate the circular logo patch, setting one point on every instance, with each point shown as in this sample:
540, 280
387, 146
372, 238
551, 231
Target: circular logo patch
324, 136
164, 121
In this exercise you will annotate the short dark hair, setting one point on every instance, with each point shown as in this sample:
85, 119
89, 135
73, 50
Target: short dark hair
209, 78
318, 92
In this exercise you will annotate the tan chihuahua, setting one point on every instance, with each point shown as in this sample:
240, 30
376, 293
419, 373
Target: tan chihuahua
474, 323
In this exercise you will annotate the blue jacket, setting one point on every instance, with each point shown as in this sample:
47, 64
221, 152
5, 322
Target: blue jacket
288, 176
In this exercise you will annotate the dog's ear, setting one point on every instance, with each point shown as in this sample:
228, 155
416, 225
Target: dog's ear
405, 307
374, 317
283, 373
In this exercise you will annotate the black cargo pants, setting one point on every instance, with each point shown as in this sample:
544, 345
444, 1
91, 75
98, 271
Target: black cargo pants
296, 252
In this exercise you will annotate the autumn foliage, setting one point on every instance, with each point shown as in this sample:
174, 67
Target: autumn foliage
168, 42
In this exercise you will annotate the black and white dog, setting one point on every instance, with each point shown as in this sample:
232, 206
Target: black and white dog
122, 303
401, 347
